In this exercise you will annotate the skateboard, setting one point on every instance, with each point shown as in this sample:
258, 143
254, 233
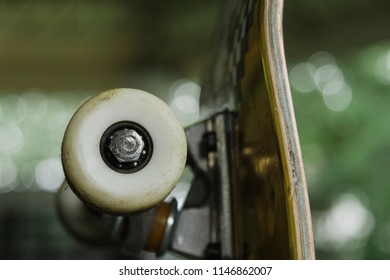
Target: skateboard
124, 152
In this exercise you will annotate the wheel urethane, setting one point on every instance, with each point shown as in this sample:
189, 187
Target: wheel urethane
124, 150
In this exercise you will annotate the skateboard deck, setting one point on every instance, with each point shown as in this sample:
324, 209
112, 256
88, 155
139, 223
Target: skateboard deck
270, 212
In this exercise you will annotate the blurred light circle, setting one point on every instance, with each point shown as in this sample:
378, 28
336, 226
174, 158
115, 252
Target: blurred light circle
36, 103
340, 100
185, 101
186, 87
12, 138
329, 79
55, 116
186, 104
26, 175
382, 67
14, 108
301, 77
8, 175
49, 174
321, 58
348, 220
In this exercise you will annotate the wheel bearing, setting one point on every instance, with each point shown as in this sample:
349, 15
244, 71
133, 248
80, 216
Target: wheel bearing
116, 158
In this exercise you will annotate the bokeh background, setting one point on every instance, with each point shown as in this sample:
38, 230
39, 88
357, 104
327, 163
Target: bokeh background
56, 54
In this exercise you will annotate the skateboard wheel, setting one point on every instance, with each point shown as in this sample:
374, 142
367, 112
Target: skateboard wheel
82, 222
124, 150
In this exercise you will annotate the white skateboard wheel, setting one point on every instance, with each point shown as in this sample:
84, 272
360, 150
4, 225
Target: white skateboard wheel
124, 150
82, 222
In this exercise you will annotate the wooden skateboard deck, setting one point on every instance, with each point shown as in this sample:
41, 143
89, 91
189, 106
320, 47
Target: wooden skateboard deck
270, 208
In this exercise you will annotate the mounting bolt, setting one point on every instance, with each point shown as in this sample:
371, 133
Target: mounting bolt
126, 145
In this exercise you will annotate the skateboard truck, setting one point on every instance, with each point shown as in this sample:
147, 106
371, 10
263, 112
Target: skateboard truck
209, 202
127, 150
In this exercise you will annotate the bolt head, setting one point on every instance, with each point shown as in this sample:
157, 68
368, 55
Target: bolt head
126, 145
